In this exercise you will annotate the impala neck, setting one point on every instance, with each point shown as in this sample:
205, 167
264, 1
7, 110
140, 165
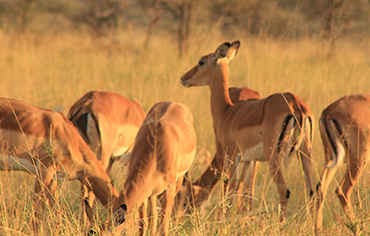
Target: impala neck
220, 98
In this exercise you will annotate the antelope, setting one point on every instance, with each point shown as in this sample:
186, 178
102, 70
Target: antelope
42, 143
236, 94
344, 129
268, 129
163, 152
241, 94
108, 122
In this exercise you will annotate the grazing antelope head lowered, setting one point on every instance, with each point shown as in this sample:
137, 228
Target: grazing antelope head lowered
163, 152
108, 122
43, 143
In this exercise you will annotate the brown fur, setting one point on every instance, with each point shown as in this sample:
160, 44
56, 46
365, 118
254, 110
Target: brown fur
164, 150
44, 143
344, 128
242, 126
111, 130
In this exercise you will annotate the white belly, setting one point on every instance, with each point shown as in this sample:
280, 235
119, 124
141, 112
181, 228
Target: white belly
255, 153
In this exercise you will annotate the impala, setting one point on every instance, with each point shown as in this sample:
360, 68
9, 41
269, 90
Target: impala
108, 122
236, 94
42, 142
344, 128
268, 129
241, 94
163, 152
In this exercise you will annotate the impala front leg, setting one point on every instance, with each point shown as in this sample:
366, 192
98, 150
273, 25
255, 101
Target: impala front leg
246, 185
45, 192
168, 201
143, 225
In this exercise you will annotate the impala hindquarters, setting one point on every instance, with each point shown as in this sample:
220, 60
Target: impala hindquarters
345, 133
258, 130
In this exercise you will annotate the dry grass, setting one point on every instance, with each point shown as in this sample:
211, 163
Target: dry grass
49, 71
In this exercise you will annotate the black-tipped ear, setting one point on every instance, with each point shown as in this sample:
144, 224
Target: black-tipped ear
222, 50
235, 45
119, 215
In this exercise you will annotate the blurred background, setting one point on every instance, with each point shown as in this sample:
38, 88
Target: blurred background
53, 52
182, 19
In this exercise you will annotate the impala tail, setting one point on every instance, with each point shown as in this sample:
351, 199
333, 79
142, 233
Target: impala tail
295, 130
88, 127
287, 142
332, 134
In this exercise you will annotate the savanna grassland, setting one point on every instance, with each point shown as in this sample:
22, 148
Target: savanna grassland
53, 71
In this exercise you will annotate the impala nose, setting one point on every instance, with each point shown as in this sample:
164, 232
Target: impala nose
184, 83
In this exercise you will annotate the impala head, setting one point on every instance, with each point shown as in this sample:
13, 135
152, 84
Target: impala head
118, 218
205, 71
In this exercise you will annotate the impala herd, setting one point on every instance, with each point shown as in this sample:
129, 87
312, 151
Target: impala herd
160, 147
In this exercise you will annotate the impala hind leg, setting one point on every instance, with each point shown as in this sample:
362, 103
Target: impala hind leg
305, 155
322, 188
345, 188
282, 188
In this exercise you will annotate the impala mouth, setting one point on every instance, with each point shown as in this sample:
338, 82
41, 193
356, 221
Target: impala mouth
185, 84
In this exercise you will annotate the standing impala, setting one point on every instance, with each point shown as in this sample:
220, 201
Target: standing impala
42, 142
108, 122
164, 151
236, 94
345, 131
267, 129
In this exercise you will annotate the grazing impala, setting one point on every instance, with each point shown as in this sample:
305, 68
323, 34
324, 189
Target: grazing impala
267, 129
345, 132
108, 122
164, 151
42, 142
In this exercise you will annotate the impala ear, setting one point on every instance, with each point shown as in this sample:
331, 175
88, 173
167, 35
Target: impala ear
119, 215
227, 50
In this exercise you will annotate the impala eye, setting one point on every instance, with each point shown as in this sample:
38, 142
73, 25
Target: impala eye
201, 63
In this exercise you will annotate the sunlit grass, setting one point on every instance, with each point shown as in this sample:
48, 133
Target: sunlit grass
49, 71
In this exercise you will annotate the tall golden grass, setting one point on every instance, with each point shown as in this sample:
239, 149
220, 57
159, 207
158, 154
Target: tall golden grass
55, 70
